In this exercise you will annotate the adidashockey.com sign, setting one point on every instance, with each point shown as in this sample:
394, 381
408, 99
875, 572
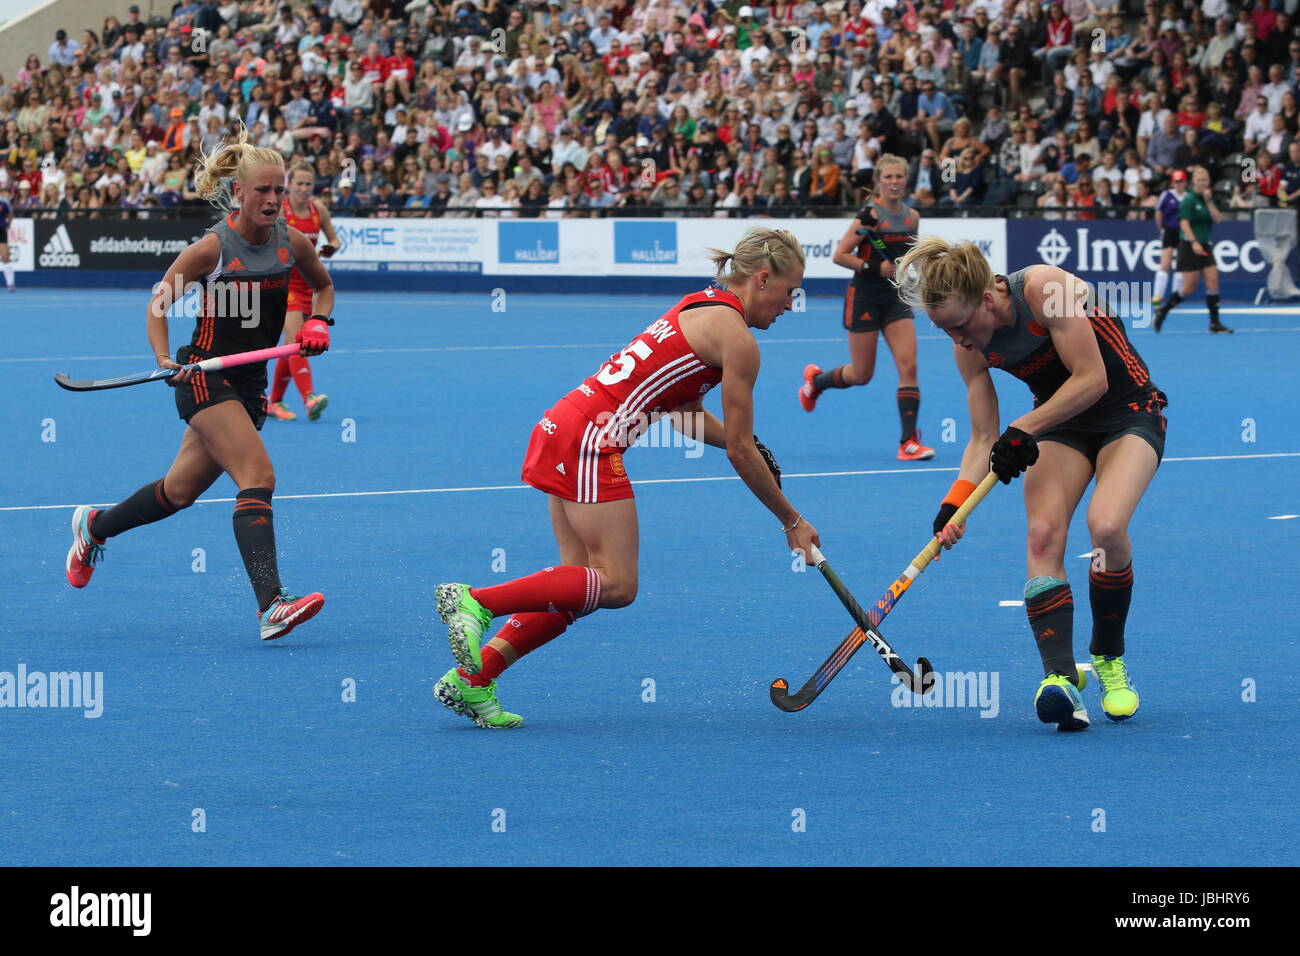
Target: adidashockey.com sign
149, 244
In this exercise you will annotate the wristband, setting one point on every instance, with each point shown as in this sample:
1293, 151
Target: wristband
322, 318
793, 526
959, 492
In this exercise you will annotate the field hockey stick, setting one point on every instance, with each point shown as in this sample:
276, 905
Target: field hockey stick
875, 240
868, 621
161, 374
865, 631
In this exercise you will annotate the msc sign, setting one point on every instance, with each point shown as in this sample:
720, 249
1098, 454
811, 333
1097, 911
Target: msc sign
354, 238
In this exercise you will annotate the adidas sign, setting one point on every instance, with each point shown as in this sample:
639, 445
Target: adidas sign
58, 252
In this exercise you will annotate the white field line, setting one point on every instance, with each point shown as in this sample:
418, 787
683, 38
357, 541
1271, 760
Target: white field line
643, 481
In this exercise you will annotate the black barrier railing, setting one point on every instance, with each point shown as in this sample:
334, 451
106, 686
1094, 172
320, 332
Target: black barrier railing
199, 211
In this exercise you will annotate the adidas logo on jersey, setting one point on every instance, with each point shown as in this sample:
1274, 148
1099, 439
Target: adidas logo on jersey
58, 252
560, 468
234, 265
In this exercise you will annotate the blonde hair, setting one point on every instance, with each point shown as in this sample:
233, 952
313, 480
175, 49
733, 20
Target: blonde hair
234, 160
759, 246
935, 271
889, 159
302, 166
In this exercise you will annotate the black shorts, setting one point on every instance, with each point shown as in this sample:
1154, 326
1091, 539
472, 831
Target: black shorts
1088, 438
1189, 261
212, 388
1169, 238
869, 311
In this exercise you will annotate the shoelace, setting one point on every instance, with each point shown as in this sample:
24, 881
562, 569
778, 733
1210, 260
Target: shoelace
281, 603
94, 554
1114, 675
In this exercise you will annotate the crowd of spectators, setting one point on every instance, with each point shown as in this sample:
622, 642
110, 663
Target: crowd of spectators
1078, 108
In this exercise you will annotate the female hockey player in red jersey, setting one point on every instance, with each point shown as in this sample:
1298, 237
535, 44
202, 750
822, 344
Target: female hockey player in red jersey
576, 457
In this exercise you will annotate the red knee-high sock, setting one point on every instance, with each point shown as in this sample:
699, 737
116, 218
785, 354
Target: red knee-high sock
522, 634
563, 588
300, 369
281, 380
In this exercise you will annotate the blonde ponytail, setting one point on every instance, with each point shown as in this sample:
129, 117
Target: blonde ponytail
232, 160
758, 247
934, 272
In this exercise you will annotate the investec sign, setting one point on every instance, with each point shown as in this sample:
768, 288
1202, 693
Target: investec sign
1126, 249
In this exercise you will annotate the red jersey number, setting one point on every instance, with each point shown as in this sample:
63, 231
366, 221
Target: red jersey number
621, 366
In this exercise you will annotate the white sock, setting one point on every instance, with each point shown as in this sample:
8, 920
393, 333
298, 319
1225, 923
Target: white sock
9, 274
1178, 282
1162, 283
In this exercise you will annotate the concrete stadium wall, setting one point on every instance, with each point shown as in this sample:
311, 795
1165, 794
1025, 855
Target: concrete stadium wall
33, 32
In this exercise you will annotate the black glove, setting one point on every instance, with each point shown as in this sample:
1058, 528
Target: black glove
1012, 454
769, 459
326, 251
946, 511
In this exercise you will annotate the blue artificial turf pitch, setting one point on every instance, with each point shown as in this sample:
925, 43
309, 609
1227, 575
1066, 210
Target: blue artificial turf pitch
439, 393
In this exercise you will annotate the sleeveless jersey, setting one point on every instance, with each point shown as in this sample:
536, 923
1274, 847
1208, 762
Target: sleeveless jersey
246, 295
1025, 350
897, 231
656, 373
309, 226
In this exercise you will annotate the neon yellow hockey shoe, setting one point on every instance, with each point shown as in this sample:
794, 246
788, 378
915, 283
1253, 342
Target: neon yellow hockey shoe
1119, 699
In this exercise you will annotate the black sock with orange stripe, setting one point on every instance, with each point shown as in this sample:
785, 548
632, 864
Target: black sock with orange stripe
909, 406
832, 379
1051, 615
145, 506
1109, 592
255, 535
